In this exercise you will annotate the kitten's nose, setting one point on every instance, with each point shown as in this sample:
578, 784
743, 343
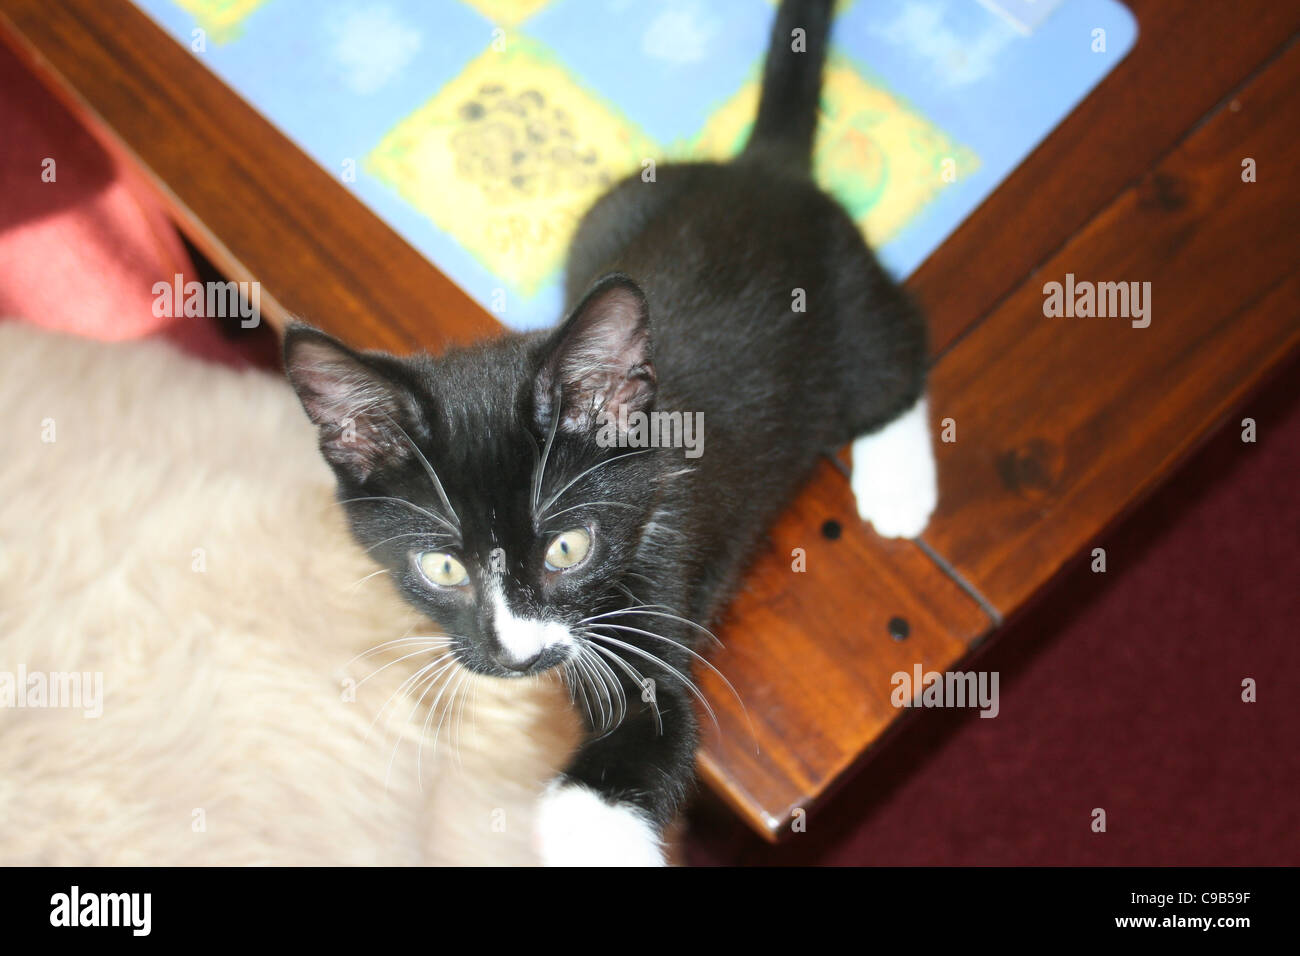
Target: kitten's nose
517, 664
522, 640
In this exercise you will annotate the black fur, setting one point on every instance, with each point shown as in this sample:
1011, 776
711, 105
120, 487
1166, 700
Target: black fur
685, 287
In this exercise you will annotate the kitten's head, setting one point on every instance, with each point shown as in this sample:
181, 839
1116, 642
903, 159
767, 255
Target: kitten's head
482, 479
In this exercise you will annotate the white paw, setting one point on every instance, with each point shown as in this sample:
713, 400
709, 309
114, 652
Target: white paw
575, 827
894, 476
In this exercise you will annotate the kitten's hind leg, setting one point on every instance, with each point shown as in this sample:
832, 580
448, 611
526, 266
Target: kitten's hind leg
893, 474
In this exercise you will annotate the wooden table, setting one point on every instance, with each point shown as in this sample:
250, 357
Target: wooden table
1062, 424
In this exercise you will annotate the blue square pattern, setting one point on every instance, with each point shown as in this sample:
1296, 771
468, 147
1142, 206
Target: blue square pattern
990, 86
654, 59
336, 77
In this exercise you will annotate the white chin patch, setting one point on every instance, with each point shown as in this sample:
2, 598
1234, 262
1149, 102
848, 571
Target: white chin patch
575, 827
524, 638
893, 475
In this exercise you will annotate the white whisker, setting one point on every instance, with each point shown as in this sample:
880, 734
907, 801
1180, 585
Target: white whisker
721, 676
539, 475
435, 518
397, 643
424, 650
404, 688
637, 678
591, 504
659, 661
600, 464
409, 534
646, 609
360, 581
433, 476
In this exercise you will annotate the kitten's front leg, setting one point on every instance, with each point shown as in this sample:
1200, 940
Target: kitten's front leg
611, 806
578, 826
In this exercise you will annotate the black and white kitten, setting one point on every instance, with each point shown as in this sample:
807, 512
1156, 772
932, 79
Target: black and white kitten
485, 479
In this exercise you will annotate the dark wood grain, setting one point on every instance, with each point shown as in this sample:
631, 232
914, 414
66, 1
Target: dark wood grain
1187, 57
1063, 423
812, 654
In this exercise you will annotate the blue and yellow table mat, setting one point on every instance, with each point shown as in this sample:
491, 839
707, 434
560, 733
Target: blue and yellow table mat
481, 130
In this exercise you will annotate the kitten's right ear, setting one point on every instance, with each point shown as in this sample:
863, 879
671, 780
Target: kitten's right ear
365, 418
598, 359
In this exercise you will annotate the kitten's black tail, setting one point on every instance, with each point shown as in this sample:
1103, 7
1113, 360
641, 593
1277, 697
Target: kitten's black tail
792, 84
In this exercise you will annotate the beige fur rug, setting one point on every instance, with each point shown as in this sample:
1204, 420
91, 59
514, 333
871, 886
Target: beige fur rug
169, 525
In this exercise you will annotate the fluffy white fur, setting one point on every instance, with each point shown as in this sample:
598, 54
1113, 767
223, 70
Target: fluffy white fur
578, 828
179, 535
894, 478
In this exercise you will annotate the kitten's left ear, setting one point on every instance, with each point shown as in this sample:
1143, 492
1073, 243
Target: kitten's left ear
365, 416
599, 358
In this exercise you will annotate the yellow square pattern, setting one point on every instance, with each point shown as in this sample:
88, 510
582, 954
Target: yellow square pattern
507, 12
221, 19
875, 154
507, 157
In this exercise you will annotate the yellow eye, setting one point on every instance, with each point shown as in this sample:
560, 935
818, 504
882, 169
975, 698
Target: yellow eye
442, 569
568, 549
